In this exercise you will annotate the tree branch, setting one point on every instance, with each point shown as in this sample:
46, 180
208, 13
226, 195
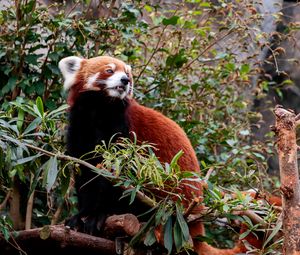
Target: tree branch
29, 211
4, 203
58, 239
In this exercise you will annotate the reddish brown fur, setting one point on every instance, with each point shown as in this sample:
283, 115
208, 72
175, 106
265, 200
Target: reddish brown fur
152, 126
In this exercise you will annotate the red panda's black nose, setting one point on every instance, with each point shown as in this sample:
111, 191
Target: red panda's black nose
125, 80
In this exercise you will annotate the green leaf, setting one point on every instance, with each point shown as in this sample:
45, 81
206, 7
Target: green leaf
138, 237
36, 178
231, 142
243, 235
245, 69
168, 238
10, 85
51, 173
20, 119
58, 111
5, 233
150, 238
40, 106
25, 160
274, 232
32, 58
65, 183
176, 158
183, 225
16, 141
171, 21
133, 194
178, 240
33, 125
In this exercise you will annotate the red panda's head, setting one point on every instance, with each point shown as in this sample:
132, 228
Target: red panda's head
104, 73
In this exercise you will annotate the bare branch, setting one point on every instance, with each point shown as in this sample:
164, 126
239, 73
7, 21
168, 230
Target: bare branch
29, 211
4, 203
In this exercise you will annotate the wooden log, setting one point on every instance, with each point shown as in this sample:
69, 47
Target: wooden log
285, 130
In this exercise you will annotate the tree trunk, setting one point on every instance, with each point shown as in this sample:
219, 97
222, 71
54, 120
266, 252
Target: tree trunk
285, 130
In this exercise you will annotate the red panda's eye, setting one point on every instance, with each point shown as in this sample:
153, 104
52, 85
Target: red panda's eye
110, 71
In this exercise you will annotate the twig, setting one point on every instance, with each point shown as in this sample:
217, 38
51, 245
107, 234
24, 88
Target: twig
275, 59
29, 211
141, 196
111, 6
207, 48
191, 206
152, 55
4, 203
57, 214
208, 174
251, 215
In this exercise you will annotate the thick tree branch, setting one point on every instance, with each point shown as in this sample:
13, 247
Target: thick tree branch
58, 239
62, 240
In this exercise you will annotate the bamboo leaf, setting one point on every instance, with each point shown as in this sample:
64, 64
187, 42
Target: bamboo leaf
142, 231
51, 173
273, 233
150, 238
25, 160
168, 238
177, 236
176, 158
183, 225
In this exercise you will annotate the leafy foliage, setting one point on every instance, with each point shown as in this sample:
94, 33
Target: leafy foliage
192, 60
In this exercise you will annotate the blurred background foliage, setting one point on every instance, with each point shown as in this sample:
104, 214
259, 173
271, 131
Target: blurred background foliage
196, 61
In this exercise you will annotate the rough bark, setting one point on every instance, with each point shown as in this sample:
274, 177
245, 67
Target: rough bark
61, 240
120, 225
56, 239
285, 130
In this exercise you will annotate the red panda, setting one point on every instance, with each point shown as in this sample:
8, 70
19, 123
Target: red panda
100, 91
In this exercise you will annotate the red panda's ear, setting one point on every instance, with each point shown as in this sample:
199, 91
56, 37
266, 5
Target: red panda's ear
69, 67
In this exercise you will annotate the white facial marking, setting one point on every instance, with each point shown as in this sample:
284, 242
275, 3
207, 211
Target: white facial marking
91, 81
113, 82
69, 67
130, 91
127, 68
112, 66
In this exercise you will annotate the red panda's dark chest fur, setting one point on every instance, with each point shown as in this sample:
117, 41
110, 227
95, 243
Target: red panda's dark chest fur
94, 118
